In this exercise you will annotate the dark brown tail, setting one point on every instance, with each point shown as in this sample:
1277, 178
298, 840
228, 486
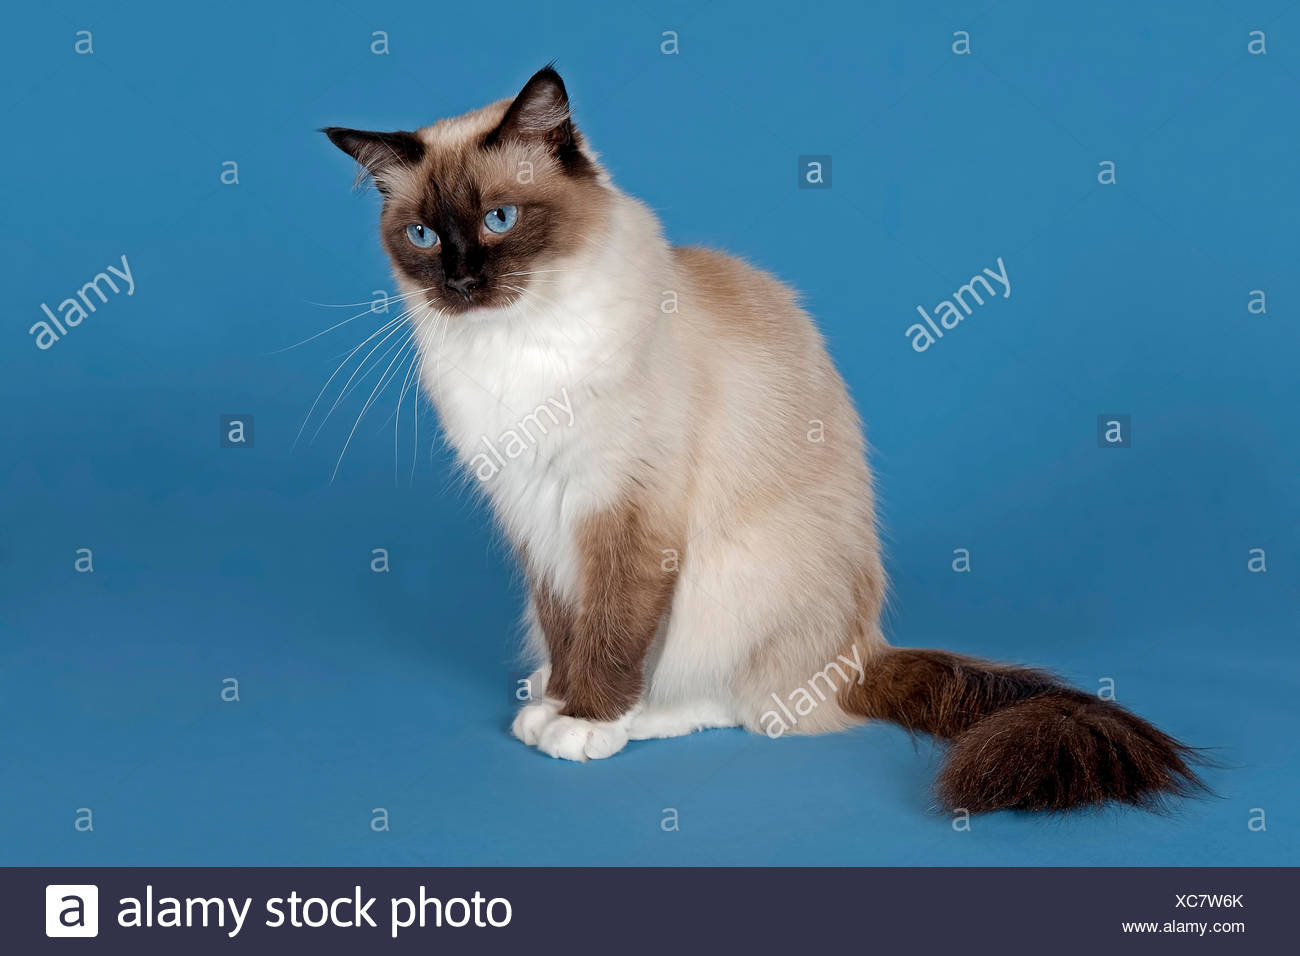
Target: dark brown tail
1021, 739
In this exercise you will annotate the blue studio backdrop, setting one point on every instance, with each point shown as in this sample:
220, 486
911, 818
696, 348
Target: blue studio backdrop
1096, 472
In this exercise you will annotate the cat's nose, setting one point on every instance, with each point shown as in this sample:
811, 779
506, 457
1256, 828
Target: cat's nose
464, 285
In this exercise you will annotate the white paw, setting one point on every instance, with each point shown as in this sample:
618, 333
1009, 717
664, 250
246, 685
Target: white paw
680, 720
533, 718
572, 738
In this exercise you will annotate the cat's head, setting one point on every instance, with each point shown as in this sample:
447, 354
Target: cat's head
479, 207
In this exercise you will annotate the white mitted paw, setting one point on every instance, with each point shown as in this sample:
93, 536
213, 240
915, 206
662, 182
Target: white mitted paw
572, 738
532, 720
680, 720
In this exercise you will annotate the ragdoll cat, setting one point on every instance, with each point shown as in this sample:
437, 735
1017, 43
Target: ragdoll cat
698, 532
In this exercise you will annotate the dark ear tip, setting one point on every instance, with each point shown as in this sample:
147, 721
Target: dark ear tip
547, 74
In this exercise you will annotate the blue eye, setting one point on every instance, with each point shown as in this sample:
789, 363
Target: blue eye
501, 219
421, 235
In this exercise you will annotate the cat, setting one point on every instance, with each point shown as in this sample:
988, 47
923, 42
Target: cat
699, 541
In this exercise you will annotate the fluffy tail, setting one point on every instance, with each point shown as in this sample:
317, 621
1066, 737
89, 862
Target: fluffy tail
1021, 739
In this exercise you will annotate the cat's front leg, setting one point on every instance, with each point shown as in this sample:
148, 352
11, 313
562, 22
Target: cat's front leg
580, 739
540, 724
598, 644
540, 710
550, 624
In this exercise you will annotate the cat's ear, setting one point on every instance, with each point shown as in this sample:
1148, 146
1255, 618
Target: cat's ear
541, 114
378, 153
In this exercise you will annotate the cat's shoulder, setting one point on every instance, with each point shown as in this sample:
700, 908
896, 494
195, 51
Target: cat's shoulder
738, 294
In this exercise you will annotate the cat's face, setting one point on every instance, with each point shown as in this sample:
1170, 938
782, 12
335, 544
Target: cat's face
480, 209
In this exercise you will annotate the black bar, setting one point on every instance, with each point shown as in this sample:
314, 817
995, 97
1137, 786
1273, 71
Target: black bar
660, 911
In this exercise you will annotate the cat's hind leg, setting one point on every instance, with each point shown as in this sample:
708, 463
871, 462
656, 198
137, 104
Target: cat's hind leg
678, 720
573, 738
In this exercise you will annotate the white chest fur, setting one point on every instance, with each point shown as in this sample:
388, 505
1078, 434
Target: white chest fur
547, 399
514, 392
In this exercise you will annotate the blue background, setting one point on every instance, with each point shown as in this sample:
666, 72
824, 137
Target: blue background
362, 690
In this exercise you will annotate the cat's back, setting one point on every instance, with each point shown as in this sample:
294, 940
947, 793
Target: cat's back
740, 299
767, 370
741, 314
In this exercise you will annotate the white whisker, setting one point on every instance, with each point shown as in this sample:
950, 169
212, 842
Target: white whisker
410, 341
333, 374
371, 303
395, 326
337, 325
